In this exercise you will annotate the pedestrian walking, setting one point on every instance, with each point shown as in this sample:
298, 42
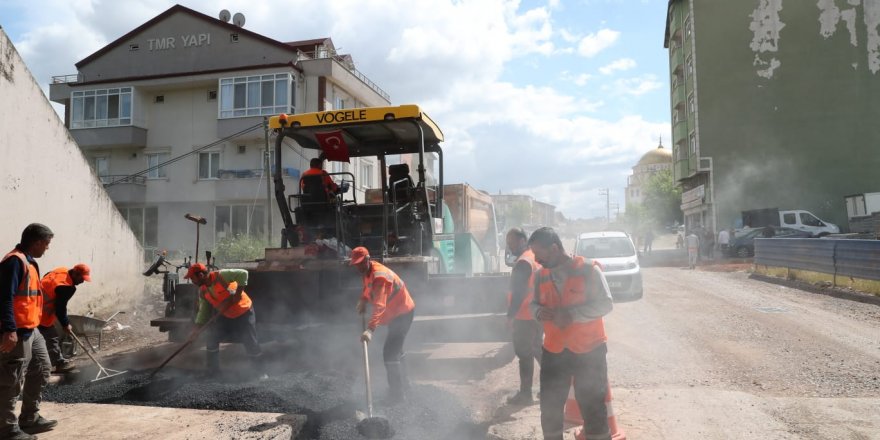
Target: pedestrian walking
649, 240
23, 356
526, 332
708, 241
571, 297
59, 285
393, 306
724, 242
223, 292
692, 242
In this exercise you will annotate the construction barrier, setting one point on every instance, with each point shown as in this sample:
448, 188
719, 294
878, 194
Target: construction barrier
573, 415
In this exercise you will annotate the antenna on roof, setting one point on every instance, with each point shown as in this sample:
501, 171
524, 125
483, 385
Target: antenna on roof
225, 16
238, 19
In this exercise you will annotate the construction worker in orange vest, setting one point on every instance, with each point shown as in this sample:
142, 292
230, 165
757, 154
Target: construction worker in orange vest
526, 331
392, 306
571, 297
59, 285
316, 168
223, 292
23, 356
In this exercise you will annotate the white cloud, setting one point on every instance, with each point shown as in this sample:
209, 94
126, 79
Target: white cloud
618, 65
592, 44
636, 86
451, 57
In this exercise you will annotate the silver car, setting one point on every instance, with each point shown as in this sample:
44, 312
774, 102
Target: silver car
617, 255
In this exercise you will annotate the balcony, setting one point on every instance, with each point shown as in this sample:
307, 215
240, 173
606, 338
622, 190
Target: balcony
680, 132
124, 189
127, 136
345, 62
243, 183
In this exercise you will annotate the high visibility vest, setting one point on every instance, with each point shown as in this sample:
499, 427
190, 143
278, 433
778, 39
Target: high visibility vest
216, 290
398, 302
58, 277
578, 337
27, 301
524, 313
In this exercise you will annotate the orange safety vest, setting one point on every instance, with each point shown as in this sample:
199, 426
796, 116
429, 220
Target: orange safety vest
58, 277
398, 302
27, 302
578, 337
220, 290
524, 312
329, 184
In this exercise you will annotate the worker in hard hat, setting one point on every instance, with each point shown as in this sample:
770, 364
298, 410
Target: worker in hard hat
316, 168
222, 291
59, 285
392, 306
526, 331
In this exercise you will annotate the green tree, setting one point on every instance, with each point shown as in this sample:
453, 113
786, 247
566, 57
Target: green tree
662, 199
238, 248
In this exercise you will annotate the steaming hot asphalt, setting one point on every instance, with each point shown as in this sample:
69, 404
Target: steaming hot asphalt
331, 408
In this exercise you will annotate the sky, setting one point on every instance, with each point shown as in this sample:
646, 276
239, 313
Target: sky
556, 99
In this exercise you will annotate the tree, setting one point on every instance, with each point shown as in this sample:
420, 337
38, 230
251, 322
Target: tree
662, 200
239, 247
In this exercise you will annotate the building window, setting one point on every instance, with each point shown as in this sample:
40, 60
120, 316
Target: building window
366, 174
153, 161
256, 95
688, 29
209, 165
337, 167
340, 104
101, 108
690, 67
692, 141
144, 223
235, 220
692, 104
102, 168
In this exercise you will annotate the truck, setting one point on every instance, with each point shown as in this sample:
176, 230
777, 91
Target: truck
860, 212
442, 239
795, 219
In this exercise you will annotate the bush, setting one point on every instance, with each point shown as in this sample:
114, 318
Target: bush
238, 248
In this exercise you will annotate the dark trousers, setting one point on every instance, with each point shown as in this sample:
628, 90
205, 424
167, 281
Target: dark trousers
527, 347
590, 373
392, 354
241, 329
23, 371
53, 344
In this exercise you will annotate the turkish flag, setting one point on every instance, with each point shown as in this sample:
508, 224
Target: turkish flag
333, 145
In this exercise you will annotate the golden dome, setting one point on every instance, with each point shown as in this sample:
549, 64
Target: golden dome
657, 155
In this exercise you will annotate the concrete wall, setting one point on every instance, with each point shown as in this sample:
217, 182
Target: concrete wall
46, 179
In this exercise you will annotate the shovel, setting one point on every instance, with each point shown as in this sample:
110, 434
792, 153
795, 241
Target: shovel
372, 427
103, 373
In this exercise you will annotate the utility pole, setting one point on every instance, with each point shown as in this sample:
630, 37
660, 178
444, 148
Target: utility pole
616, 206
267, 171
607, 193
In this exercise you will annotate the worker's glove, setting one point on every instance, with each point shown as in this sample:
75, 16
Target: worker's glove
344, 188
68, 329
230, 290
361, 307
545, 314
562, 318
367, 336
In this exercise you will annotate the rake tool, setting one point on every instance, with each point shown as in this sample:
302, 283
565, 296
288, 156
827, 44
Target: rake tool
103, 373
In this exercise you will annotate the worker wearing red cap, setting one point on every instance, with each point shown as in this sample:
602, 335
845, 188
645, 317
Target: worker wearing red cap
392, 306
223, 292
59, 285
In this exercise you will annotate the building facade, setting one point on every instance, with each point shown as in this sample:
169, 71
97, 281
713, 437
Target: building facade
194, 90
773, 105
651, 163
523, 211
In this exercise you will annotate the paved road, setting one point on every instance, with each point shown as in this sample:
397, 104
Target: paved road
721, 356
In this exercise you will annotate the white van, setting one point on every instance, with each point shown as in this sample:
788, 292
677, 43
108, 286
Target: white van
806, 221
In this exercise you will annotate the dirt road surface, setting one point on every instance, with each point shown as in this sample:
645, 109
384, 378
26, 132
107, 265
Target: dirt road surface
708, 355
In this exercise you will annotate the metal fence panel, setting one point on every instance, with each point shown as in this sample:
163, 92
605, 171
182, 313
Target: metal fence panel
859, 258
856, 258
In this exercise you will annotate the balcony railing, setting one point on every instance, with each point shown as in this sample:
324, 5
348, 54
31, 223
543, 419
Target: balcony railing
72, 78
122, 178
254, 173
324, 53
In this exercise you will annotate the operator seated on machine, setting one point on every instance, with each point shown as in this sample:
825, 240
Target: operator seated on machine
329, 187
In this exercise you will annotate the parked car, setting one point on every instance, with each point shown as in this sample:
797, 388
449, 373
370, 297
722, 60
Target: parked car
743, 244
620, 261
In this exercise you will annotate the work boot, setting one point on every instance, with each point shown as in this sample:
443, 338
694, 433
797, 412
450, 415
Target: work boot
258, 368
522, 398
395, 384
15, 433
39, 424
63, 366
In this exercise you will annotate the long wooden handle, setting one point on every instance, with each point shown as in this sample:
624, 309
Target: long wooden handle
367, 373
193, 336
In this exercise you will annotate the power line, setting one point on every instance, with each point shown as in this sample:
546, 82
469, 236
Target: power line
182, 156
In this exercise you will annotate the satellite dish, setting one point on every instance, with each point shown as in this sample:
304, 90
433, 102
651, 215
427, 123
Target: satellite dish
225, 15
238, 19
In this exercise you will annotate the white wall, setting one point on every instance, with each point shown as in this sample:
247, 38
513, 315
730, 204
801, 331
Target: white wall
44, 178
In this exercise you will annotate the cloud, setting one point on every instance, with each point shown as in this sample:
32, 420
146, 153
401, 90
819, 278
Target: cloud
592, 44
637, 86
454, 58
618, 65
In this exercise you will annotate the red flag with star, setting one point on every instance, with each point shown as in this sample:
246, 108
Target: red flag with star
333, 145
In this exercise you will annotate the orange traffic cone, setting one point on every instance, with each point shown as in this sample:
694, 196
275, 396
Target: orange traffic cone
573, 415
